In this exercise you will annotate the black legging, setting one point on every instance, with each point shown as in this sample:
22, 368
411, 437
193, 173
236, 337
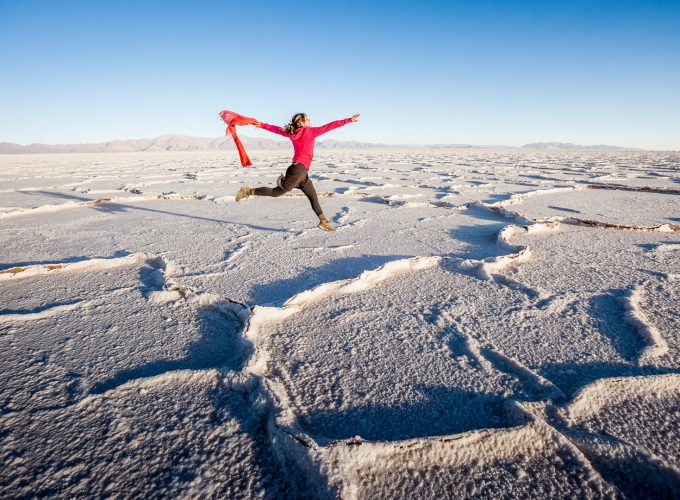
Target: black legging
296, 177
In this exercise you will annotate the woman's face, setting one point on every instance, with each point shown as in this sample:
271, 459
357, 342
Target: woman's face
307, 122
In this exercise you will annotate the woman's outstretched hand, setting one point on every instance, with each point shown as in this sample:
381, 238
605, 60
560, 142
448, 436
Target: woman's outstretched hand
256, 124
355, 118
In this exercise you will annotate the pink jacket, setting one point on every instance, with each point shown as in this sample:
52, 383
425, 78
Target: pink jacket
303, 139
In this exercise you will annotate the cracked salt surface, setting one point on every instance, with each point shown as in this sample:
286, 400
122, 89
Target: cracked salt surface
481, 324
642, 208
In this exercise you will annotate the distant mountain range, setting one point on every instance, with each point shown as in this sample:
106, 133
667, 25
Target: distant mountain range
569, 145
171, 142
168, 142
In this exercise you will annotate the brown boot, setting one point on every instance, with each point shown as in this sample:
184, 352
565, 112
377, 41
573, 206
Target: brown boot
244, 192
325, 224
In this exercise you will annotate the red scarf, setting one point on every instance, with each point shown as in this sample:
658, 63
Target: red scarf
232, 119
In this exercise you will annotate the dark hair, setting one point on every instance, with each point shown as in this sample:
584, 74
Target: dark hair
295, 123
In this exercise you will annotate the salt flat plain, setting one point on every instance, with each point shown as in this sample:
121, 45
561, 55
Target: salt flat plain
482, 324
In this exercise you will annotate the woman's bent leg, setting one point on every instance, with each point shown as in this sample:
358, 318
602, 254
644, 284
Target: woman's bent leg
294, 175
265, 191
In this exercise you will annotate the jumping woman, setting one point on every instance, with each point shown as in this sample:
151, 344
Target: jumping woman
302, 135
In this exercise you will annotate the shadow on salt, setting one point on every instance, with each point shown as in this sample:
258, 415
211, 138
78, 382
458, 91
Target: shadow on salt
218, 345
275, 293
120, 208
439, 411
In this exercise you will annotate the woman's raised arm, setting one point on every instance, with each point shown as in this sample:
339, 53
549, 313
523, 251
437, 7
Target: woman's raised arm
317, 131
272, 128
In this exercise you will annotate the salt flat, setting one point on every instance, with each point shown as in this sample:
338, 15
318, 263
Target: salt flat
482, 324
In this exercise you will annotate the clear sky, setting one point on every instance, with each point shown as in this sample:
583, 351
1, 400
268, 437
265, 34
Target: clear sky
480, 72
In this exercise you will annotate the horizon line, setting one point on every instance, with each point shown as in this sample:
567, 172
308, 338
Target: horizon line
432, 144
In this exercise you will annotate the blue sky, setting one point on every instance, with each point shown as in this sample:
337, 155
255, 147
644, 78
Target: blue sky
480, 72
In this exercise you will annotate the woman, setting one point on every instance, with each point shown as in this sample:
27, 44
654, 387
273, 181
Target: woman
302, 135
